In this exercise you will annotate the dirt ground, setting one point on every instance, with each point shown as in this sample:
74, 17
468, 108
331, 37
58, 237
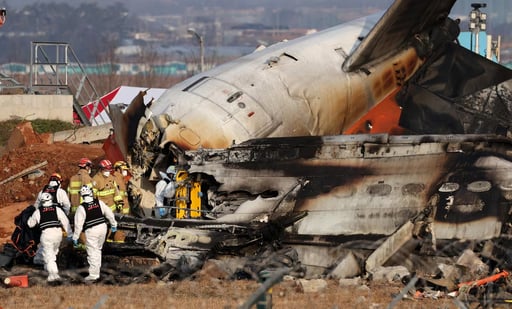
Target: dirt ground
203, 292
18, 193
62, 158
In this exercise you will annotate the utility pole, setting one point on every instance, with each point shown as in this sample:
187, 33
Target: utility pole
201, 47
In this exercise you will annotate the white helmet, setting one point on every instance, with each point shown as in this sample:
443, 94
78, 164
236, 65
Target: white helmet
46, 199
171, 170
86, 194
85, 191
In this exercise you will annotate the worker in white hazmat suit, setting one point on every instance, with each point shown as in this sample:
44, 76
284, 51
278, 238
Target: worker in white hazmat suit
90, 217
50, 219
165, 189
59, 197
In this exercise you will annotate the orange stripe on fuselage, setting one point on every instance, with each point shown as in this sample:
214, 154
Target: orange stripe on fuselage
382, 118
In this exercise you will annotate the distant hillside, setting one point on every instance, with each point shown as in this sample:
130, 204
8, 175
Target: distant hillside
503, 8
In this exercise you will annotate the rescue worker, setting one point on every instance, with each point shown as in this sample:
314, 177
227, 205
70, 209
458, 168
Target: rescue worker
90, 217
105, 187
50, 219
81, 178
121, 177
59, 195
165, 190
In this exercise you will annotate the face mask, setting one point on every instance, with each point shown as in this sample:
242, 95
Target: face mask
106, 173
53, 183
124, 173
88, 171
88, 199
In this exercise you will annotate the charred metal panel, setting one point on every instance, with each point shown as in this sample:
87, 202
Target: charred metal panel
472, 201
473, 99
358, 187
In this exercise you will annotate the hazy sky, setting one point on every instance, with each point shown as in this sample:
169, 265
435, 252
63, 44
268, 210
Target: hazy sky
163, 7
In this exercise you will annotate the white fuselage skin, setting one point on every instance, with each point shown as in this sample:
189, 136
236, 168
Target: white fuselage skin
293, 88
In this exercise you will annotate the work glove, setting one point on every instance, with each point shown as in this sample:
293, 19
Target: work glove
113, 229
75, 243
119, 205
162, 211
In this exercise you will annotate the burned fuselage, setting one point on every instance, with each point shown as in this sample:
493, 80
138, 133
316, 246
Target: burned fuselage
362, 184
335, 190
245, 137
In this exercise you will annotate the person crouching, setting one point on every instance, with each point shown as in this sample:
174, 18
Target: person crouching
90, 217
50, 218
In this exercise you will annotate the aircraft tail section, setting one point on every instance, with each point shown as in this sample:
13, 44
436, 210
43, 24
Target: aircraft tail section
457, 92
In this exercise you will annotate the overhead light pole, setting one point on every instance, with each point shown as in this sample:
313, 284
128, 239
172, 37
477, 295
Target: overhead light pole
477, 23
201, 47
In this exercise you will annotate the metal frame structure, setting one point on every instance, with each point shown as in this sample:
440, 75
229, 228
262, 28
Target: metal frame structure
55, 68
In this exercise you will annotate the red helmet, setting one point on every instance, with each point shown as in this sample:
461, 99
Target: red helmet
56, 176
106, 164
84, 162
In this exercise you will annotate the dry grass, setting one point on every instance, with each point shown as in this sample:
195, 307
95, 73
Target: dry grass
207, 294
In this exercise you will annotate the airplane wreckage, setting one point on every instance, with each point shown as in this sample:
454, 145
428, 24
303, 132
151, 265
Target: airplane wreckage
358, 139
354, 141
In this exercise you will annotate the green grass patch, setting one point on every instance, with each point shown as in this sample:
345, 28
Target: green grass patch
39, 126
50, 126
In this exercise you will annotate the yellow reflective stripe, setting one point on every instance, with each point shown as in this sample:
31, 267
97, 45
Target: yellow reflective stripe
106, 192
113, 208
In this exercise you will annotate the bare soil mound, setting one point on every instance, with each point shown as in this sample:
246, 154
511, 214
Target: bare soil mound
18, 193
62, 158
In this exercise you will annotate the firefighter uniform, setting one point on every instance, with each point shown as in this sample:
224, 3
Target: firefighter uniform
75, 183
121, 176
50, 219
105, 189
90, 217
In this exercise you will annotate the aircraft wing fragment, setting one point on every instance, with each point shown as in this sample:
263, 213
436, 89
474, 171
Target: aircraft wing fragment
400, 23
125, 122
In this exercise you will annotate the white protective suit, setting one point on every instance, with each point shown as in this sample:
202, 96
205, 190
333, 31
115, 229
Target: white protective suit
50, 240
165, 188
62, 199
64, 202
95, 237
